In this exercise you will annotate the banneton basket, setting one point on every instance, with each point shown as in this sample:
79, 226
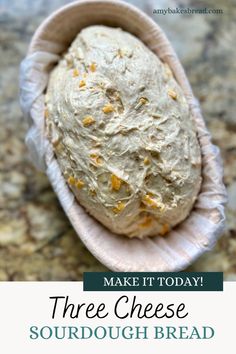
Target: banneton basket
199, 232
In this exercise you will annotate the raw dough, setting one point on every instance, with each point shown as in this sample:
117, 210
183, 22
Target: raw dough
123, 134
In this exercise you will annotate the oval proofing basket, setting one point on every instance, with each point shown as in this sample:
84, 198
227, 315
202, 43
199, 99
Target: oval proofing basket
199, 232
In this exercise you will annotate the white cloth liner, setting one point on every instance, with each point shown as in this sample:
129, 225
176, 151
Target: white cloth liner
199, 232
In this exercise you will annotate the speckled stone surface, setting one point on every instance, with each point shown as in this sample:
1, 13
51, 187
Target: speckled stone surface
36, 239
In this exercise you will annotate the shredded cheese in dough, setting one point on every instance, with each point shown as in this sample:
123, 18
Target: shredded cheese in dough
123, 134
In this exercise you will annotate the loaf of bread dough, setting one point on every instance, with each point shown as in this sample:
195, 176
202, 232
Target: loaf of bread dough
123, 134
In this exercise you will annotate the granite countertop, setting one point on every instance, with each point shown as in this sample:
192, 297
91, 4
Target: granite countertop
36, 240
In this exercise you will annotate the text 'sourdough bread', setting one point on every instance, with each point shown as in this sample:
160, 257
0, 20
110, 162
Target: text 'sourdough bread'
123, 134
